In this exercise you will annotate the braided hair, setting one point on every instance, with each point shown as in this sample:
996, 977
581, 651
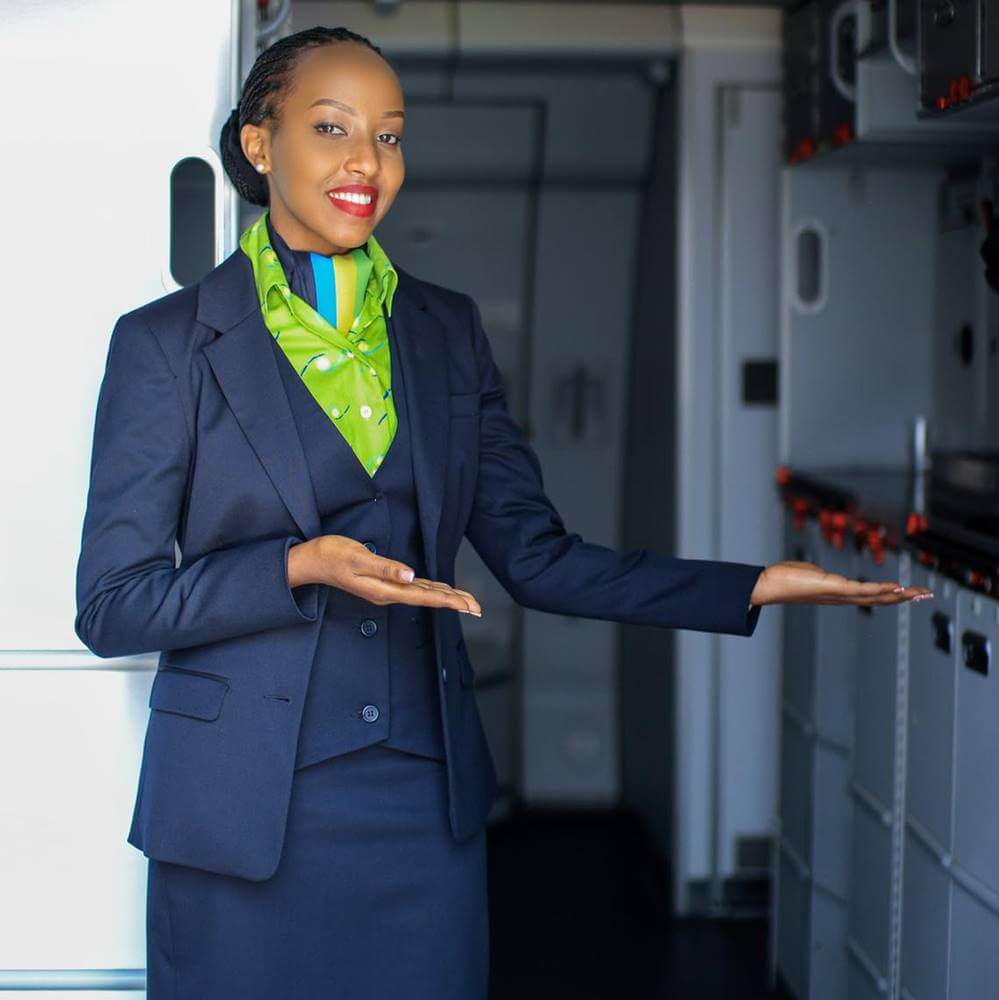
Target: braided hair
262, 90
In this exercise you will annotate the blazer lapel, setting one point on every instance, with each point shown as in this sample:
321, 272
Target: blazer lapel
243, 362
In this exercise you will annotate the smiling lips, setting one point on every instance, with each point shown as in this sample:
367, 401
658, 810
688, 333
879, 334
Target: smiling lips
354, 199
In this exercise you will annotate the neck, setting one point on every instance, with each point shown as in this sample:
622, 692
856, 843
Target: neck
298, 237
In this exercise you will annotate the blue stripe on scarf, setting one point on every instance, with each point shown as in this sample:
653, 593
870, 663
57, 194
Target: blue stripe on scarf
322, 270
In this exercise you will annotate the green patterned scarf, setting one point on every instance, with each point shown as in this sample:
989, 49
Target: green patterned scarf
348, 373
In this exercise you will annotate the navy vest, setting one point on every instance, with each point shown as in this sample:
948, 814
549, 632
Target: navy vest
374, 678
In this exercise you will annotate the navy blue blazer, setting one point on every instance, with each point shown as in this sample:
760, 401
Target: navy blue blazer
194, 443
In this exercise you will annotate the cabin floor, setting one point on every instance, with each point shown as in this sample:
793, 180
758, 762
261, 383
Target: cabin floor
578, 909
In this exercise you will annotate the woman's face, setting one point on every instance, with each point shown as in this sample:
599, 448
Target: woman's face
340, 126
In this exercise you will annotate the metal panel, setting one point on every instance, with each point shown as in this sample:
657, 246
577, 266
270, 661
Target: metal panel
796, 772
73, 888
800, 36
748, 673
792, 926
974, 955
864, 983
831, 821
932, 681
976, 802
836, 654
870, 885
163, 86
110, 97
925, 922
799, 627
870, 319
574, 445
887, 96
877, 652
568, 754
827, 972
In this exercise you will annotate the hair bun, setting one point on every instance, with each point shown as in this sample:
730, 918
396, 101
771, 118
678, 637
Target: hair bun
250, 184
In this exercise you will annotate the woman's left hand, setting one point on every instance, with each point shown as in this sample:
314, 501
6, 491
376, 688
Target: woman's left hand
806, 583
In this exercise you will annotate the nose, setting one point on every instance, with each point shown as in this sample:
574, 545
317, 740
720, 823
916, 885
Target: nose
362, 157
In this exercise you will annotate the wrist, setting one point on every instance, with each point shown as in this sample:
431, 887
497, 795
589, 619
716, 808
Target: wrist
301, 568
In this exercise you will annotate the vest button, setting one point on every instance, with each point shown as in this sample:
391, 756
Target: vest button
369, 713
369, 627
371, 547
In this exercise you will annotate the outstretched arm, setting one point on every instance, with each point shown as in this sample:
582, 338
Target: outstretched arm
520, 536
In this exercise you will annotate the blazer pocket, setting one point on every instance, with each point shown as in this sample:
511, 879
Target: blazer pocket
463, 404
184, 692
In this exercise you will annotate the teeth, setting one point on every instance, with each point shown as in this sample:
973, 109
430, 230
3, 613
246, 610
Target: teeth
357, 199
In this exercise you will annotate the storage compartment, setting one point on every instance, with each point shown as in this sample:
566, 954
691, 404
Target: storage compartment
948, 71
864, 983
796, 754
869, 923
828, 968
836, 655
974, 957
799, 625
976, 802
932, 680
800, 31
867, 336
831, 819
836, 72
959, 55
792, 925
925, 921
877, 654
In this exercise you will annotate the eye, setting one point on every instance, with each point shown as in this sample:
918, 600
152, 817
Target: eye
322, 126
324, 129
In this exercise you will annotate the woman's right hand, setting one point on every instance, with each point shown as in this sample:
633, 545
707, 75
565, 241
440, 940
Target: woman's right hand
344, 563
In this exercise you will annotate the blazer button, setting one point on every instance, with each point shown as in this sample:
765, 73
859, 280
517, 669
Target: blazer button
444, 673
369, 627
371, 547
369, 713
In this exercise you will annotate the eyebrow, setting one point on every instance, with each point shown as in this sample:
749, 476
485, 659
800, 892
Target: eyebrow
350, 110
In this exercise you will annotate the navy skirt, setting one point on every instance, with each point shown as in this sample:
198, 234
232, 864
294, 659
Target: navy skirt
372, 898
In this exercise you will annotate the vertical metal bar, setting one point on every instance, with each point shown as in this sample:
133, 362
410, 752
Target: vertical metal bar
898, 796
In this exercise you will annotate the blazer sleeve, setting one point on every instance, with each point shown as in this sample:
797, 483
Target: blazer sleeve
521, 537
130, 596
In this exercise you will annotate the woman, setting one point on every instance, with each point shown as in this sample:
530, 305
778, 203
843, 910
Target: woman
318, 430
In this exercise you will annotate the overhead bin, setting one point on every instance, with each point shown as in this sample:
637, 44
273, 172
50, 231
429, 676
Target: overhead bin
852, 86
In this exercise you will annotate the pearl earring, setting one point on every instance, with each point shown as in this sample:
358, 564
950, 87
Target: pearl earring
260, 168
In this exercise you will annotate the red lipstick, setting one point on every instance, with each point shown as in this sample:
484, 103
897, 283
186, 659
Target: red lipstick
358, 203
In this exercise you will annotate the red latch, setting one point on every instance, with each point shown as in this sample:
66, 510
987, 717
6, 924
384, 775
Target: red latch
875, 542
800, 512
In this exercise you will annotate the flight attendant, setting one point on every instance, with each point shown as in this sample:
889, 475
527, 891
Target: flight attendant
315, 430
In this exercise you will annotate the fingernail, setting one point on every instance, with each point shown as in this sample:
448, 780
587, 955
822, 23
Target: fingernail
469, 611
898, 590
407, 575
